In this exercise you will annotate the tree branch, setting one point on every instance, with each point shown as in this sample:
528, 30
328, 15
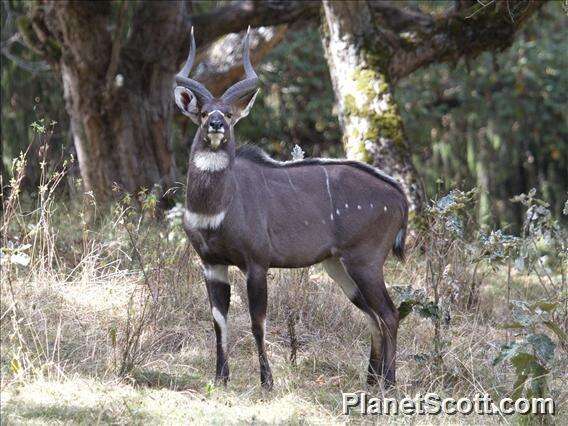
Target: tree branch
220, 64
220, 58
464, 32
390, 15
416, 38
239, 15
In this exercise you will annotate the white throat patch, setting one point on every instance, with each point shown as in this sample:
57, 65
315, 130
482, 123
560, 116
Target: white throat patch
208, 161
203, 221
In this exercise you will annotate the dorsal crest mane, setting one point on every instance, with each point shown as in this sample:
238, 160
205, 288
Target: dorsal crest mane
258, 156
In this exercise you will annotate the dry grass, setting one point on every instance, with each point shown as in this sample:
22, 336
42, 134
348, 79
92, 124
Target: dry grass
121, 292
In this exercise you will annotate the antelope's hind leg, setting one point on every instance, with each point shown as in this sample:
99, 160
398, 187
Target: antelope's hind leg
219, 291
366, 290
369, 279
258, 299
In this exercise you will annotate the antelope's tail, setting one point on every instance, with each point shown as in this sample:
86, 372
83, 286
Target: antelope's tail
400, 239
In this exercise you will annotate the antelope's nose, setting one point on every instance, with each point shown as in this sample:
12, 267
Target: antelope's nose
216, 125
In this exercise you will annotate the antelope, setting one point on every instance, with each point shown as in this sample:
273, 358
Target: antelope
247, 210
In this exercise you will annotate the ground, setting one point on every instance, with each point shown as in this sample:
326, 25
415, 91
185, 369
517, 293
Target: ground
111, 324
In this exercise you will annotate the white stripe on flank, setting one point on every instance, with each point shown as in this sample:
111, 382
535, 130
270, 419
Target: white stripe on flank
222, 323
203, 221
328, 190
211, 161
290, 180
216, 272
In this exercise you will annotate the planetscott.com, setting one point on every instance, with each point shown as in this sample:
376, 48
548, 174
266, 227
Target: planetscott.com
433, 404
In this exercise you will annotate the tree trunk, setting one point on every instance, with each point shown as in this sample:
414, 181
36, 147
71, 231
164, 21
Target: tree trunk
118, 92
119, 97
358, 60
119, 105
118, 87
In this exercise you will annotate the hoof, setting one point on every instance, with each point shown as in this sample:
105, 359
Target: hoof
267, 383
221, 380
373, 379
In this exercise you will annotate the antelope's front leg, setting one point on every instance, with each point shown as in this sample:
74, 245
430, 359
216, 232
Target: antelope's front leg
219, 292
257, 297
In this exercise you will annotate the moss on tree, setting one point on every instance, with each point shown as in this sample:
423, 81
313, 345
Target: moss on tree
372, 103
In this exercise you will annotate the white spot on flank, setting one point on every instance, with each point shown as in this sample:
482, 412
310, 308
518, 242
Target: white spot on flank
346, 205
222, 324
203, 221
331, 216
385, 208
306, 222
358, 207
337, 211
216, 272
208, 161
372, 205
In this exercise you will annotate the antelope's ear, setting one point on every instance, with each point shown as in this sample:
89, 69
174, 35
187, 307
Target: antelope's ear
187, 103
244, 105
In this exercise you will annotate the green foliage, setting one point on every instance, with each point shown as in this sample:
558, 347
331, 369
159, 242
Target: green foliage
297, 102
542, 234
532, 353
30, 91
411, 300
446, 220
459, 254
498, 121
450, 211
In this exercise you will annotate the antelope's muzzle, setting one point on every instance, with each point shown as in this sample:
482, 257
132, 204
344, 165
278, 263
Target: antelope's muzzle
216, 131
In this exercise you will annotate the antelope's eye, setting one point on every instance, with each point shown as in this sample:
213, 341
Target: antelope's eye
229, 115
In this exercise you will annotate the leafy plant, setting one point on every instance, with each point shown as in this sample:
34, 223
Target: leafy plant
533, 352
414, 300
536, 324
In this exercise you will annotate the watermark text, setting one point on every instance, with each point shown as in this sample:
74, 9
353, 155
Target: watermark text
433, 404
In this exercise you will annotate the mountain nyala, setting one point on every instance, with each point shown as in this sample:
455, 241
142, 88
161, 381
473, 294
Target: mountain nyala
247, 210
